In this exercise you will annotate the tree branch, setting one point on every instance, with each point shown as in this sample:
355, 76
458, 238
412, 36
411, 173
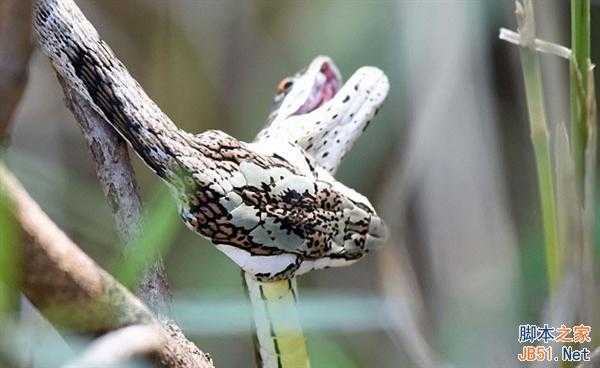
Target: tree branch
120, 346
115, 174
15, 51
74, 293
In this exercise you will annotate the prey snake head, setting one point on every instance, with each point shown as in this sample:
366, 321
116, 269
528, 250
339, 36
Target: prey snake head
315, 110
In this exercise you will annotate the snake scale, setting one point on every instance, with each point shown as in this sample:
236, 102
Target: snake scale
272, 205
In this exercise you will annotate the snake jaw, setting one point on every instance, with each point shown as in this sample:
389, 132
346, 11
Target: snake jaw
326, 81
310, 89
323, 116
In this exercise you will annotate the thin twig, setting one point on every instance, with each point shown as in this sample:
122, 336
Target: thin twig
73, 292
539, 45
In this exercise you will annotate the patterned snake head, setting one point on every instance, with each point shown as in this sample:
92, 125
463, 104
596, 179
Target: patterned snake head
276, 214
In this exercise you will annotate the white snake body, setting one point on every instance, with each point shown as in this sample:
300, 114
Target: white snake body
268, 205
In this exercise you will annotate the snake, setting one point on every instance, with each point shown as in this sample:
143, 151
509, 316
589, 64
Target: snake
315, 111
272, 205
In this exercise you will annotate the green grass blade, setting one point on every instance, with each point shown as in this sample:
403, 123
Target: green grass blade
540, 138
580, 45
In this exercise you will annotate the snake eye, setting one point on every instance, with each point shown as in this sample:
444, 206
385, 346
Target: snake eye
284, 85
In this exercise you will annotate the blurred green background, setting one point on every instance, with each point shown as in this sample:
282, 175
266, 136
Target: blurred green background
448, 162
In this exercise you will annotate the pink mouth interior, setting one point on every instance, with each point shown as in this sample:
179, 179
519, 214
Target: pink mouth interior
324, 89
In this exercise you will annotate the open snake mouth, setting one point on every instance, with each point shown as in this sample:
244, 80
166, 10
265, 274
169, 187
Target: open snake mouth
327, 82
